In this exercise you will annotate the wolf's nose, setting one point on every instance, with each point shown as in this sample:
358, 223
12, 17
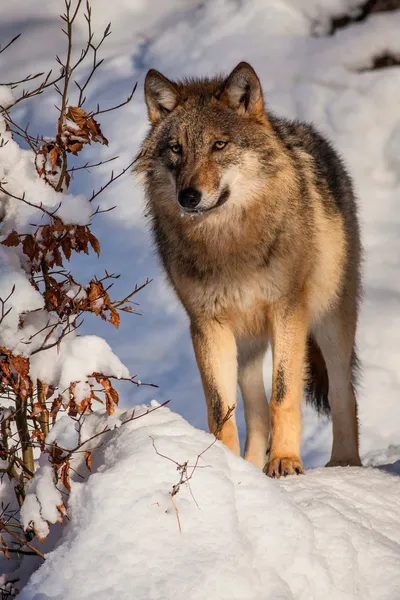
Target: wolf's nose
189, 198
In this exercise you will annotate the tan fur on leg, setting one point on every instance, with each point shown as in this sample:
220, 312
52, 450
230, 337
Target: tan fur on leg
289, 351
215, 349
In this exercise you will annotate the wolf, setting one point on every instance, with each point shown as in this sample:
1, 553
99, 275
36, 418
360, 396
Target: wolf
255, 221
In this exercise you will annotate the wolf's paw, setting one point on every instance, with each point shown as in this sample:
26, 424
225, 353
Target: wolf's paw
284, 466
349, 462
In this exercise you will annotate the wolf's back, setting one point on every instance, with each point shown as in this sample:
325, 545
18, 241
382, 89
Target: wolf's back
328, 174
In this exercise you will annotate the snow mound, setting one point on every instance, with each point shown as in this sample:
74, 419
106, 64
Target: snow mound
233, 534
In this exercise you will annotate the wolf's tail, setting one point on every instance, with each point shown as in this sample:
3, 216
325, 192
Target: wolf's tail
317, 382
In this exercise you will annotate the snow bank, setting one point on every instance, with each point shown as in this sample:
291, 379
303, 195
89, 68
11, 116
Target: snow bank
332, 534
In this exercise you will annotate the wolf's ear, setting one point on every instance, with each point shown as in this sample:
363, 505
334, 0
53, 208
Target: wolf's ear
242, 91
161, 95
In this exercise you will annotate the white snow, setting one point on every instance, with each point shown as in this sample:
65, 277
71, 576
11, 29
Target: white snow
78, 357
332, 534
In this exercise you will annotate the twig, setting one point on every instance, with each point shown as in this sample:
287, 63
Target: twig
182, 468
38, 206
46, 83
4, 312
69, 328
21, 540
9, 43
91, 166
96, 64
176, 511
111, 180
131, 379
99, 211
129, 98
129, 296
24, 80
67, 75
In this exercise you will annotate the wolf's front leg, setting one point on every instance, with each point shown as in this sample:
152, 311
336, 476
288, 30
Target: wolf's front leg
215, 349
289, 329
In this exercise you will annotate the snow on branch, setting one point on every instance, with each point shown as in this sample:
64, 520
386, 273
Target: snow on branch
46, 367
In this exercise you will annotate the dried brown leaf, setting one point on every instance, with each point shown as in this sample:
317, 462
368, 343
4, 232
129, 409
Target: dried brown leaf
95, 132
114, 394
29, 246
55, 406
94, 242
65, 476
21, 365
88, 460
115, 318
96, 297
77, 115
66, 247
57, 257
75, 147
12, 239
109, 404
55, 156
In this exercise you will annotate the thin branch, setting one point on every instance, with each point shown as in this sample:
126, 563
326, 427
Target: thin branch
111, 180
100, 211
32, 141
24, 80
129, 296
96, 64
69, 328
46, 83
9, 43
176, 511
4, 312
67, 75
21, 540
131, 379
23, 199
88, 166
129, 98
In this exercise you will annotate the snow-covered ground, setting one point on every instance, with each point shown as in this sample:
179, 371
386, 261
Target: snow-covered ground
231, 533
330, 534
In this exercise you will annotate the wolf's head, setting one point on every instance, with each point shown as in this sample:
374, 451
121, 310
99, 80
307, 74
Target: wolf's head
210, 144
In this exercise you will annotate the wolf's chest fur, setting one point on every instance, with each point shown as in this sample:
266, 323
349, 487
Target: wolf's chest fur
233, 291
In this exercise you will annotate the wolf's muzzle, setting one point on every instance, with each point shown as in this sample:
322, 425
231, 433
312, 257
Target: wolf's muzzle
189, 198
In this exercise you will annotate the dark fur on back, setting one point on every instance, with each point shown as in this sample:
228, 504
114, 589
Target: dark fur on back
331, 174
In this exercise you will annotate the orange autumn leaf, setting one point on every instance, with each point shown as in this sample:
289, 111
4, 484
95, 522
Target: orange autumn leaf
65, 476
88, 460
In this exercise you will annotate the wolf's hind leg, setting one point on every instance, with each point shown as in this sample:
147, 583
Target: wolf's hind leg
335, 337
256, 407
216, 355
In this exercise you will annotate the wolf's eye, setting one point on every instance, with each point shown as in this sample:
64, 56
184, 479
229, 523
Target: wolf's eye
176, 148
219, 145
